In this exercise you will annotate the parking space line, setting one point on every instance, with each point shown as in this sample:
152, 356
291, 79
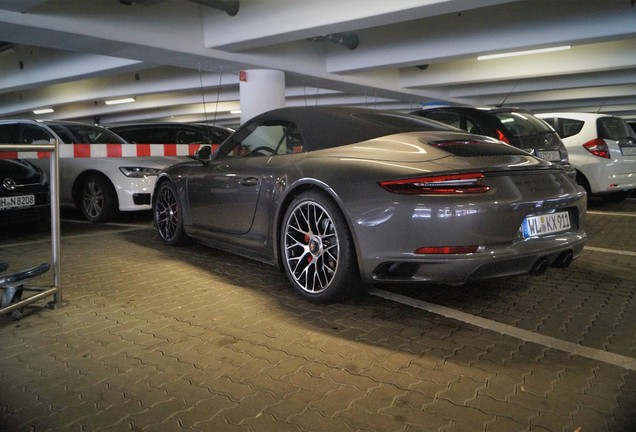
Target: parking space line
508, 330
66, 237
603, 213
614, 251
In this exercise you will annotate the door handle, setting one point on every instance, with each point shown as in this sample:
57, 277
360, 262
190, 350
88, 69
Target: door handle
249, 181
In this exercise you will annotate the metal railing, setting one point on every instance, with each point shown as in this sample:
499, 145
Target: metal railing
54, 182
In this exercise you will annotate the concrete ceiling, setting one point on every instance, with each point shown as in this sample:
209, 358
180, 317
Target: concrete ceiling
180, 59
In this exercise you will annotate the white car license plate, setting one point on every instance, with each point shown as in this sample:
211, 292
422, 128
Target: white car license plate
549, 155
7, 203
536, 226
628, 151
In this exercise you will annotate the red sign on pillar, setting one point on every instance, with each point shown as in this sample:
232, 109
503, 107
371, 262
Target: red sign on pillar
242, 75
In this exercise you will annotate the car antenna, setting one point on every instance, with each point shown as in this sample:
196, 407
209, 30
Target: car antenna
205, 111
305, 92
218, 93
508, 95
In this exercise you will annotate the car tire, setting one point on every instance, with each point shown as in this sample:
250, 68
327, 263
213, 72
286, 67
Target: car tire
615, 197
317, 249
582, 181
98, 200
168, 215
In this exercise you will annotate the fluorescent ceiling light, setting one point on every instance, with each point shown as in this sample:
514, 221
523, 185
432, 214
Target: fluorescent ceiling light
521, 53
43, 111
119, 101
235, 112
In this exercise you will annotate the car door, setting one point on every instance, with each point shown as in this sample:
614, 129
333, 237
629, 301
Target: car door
223, 193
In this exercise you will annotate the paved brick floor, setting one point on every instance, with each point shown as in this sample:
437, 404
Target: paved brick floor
194, 339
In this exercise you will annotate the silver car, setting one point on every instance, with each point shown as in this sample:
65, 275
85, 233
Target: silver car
341, 197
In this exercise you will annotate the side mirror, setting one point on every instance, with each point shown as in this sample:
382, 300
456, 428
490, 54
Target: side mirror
203, 154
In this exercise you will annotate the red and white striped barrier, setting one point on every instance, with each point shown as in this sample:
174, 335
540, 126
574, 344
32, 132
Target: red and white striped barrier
110, 150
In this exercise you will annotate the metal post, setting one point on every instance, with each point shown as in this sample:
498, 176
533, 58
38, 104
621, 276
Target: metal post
58, 298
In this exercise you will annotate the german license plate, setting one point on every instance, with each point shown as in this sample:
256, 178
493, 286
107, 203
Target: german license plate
536, 226
549, 155
7, 203
628, 151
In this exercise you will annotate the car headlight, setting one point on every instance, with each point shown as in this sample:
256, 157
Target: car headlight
139, 172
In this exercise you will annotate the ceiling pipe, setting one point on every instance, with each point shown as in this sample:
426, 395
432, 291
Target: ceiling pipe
231, 7
349, 40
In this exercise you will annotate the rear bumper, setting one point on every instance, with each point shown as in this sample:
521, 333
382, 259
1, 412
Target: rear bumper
25, 216
532, 256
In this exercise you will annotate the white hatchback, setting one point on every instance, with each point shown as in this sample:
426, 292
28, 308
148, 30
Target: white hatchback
602, 149
100, 173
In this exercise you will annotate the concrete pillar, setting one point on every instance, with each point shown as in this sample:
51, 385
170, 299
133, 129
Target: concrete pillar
261, 90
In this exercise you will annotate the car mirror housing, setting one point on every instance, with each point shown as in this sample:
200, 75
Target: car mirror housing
204, 153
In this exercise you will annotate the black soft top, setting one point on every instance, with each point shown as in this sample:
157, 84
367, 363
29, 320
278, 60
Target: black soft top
327, 127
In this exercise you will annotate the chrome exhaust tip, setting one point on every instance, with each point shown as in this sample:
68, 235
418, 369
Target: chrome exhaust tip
539, 267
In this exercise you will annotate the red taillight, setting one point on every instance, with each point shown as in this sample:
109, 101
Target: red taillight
598, 147
502, 137
446, 250
465, 183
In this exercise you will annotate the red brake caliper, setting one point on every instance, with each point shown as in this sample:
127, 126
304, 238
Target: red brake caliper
310, 258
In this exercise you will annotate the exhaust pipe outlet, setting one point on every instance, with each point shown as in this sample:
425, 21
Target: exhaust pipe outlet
564, 260
539, 267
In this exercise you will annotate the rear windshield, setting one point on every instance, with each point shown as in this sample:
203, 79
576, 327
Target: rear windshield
86, 134
614, 128
520, 124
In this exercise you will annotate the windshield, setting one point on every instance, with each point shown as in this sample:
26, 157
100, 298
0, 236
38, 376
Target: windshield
86, 134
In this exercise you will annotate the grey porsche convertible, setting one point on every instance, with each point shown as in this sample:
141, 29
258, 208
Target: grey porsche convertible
344, 197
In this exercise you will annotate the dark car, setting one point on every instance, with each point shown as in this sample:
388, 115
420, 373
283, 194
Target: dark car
513, 126
172, 133
339, 197
24, 193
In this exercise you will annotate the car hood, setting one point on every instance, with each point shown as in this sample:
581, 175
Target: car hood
451, 150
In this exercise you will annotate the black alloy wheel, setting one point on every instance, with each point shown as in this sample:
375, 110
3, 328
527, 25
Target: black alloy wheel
168, 215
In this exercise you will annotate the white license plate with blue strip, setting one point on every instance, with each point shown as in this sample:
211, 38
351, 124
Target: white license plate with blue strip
537, 226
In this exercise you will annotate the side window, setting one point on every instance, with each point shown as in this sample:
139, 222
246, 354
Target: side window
10, 134
571, 127
155, 135
265, 139
30, 134
186, 136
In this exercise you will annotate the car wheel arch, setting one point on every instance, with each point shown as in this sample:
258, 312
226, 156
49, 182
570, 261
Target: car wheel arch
289, 197
81, 179
582, 180
187, 219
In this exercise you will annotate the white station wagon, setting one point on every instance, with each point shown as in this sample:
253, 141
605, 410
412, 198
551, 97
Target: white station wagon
100, 173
